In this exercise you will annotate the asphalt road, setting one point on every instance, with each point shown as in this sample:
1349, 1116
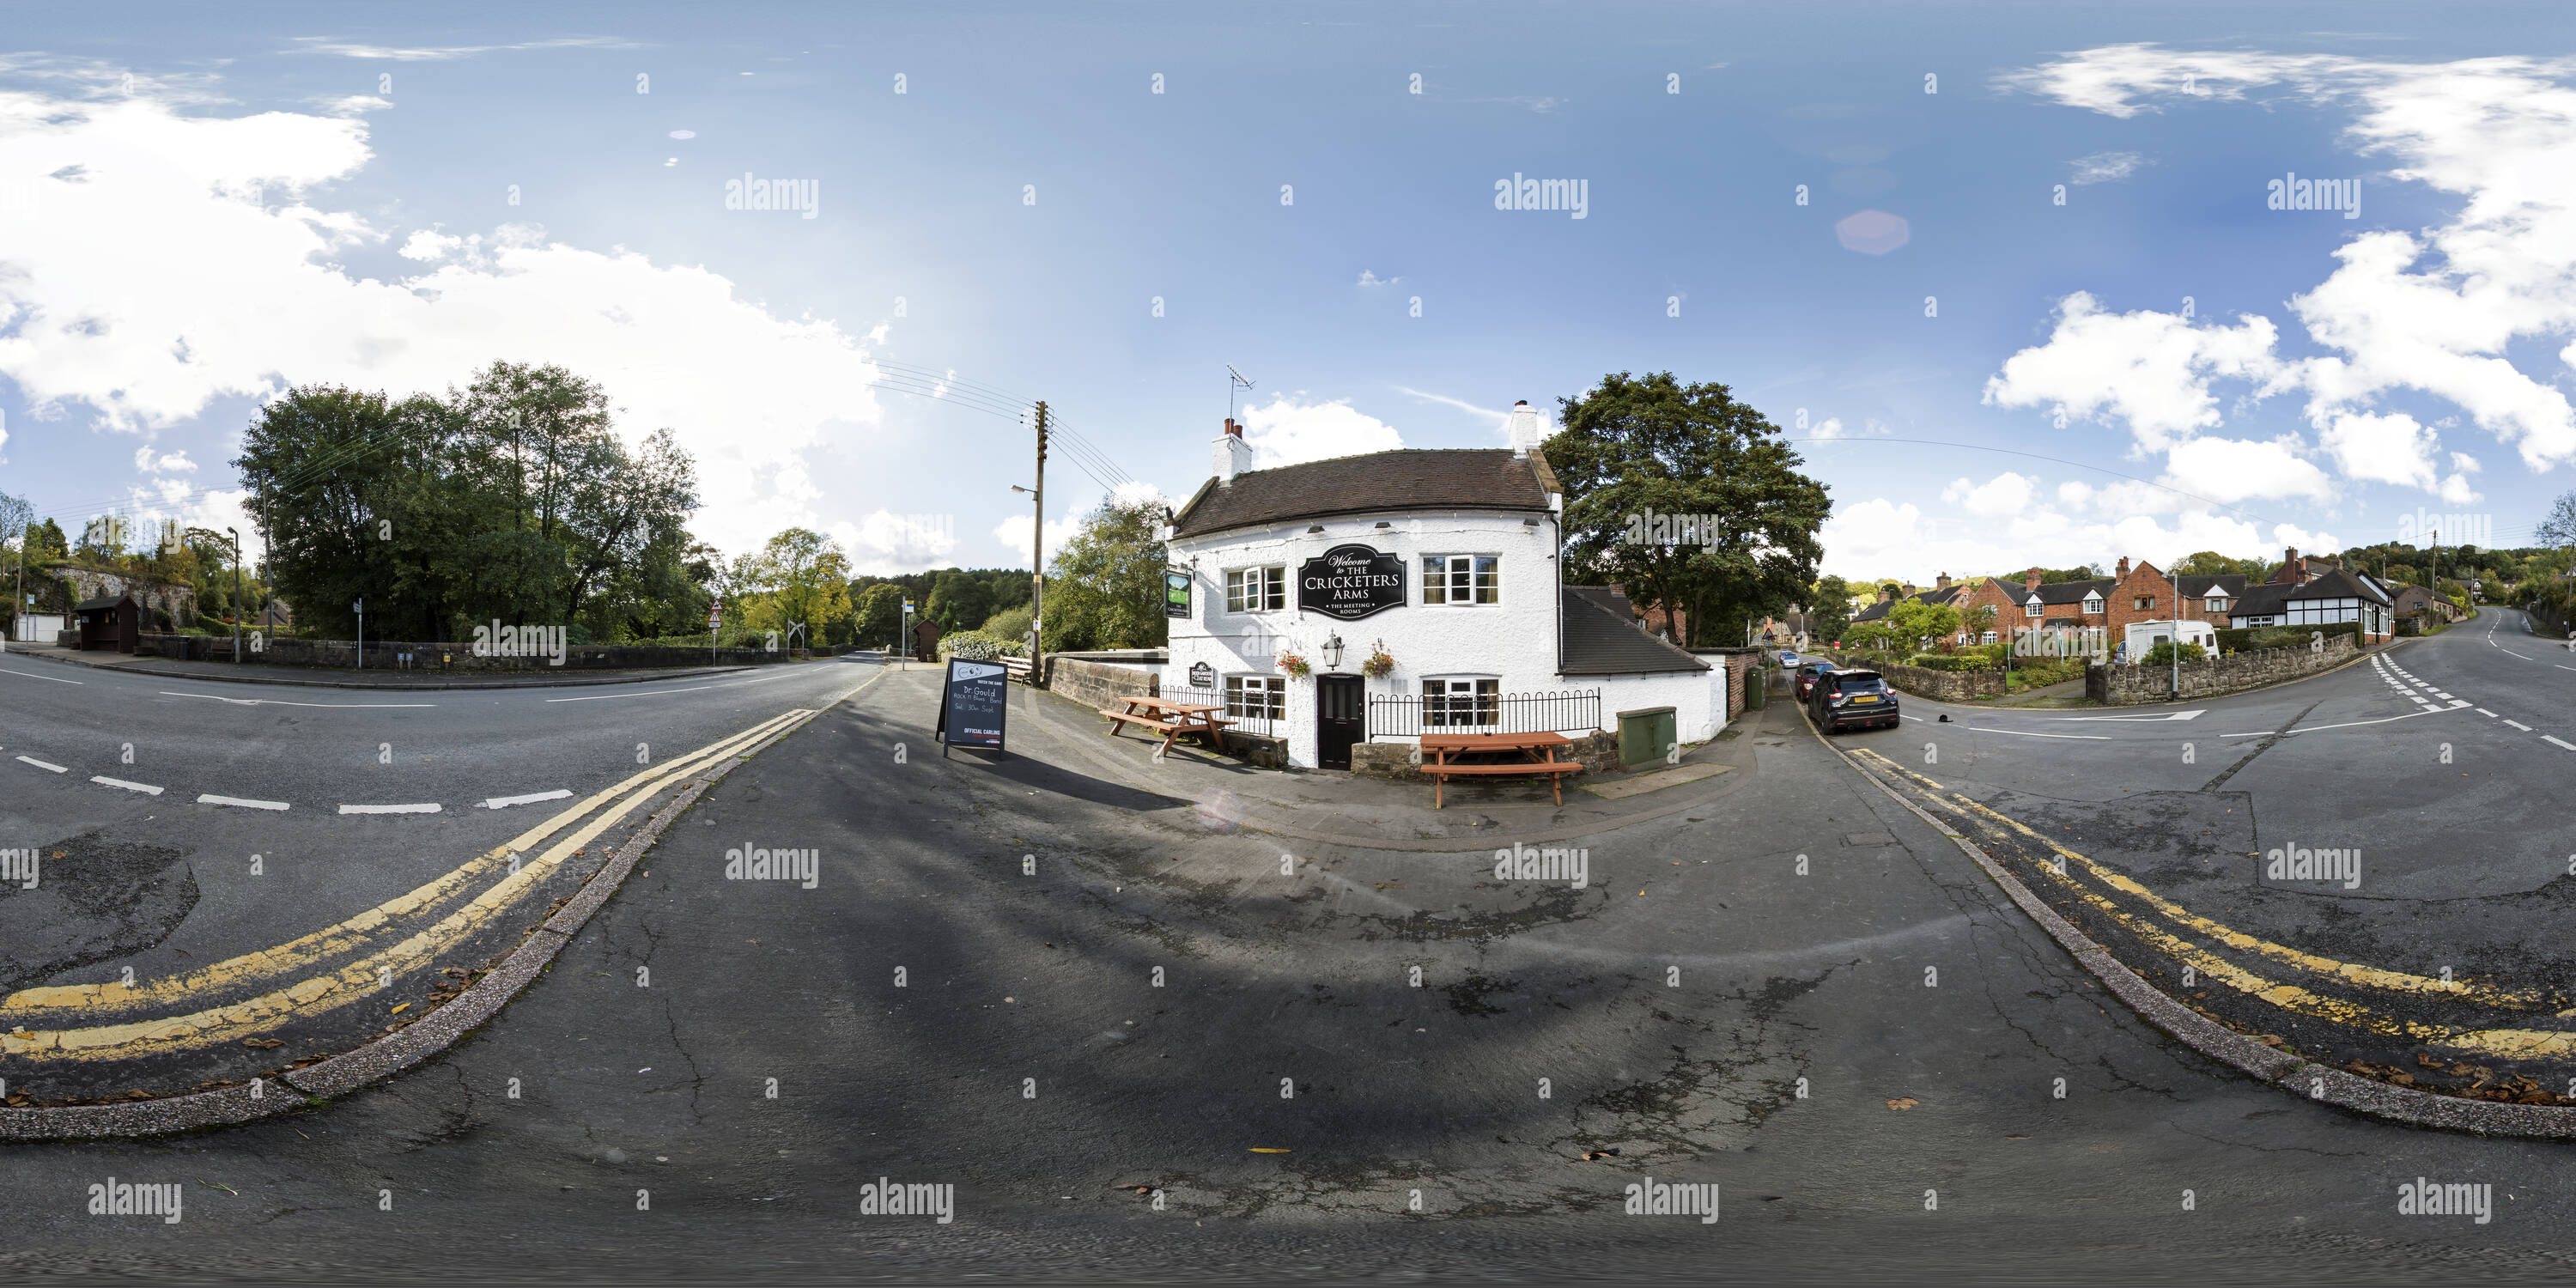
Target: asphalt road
186, 832
1971, 1102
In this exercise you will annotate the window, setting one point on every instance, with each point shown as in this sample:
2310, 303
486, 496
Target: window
2217, 603
1256, 590
2031, 609
1259, 697
1461, 579
1990, 637
1449, 704
2092, 603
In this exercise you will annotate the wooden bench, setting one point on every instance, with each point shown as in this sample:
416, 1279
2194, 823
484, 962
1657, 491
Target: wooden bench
1017, 668
1538, 748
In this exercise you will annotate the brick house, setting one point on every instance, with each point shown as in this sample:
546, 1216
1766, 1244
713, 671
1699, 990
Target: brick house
2315, 591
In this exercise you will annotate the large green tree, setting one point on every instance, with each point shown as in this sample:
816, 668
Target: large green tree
1828, 609
1652, 445
1105, 587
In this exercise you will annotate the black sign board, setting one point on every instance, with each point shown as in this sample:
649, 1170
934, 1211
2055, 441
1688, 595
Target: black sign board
971, 704
1176, 593
1350, 582
1202, 676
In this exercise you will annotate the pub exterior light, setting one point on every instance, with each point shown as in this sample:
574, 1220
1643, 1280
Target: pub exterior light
1333, 652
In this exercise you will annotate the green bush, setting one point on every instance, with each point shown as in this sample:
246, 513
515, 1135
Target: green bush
1008, 624
2163, 654
1955, 662
2256, 638
976, 646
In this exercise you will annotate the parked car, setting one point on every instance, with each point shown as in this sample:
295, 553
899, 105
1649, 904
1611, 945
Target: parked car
1852, 698
1788, 657
1808, 671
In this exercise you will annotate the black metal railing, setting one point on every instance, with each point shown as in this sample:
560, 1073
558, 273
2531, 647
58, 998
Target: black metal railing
1568, 711
1248, 715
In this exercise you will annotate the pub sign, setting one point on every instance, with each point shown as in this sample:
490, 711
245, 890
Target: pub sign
1350, 582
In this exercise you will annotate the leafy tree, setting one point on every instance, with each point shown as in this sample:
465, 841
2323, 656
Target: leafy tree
1977, 621
1915, 621
1633, 445
802, 577
959, 600
1105, 588
1828, 609
880, 614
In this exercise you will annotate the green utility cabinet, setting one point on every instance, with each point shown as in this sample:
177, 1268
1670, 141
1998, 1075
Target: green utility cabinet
1645, 737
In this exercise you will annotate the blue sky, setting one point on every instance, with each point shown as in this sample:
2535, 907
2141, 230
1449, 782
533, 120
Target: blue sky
260, 206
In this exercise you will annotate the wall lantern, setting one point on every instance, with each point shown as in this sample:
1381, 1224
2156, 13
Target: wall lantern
1333, 652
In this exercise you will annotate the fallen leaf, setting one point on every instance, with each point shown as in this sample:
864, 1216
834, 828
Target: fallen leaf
264, 1043
1134, 1189
1903, 1102
1259, 1150
1596, 1155
399, 1009
218, 1185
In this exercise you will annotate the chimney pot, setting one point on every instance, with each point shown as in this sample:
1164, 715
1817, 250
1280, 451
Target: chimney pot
2124, 566
1943, 583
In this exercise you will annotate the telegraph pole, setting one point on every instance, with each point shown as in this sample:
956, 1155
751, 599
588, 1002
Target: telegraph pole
1037, 554
236, 537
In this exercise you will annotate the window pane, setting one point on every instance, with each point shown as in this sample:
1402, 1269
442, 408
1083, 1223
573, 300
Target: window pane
1277, 597
1488, 701
1487, 579
1432, 584
1234, 601
1461, 581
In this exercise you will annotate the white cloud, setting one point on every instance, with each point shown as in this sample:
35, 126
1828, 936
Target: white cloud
2435, 311
146, 461
2003, 495
2106, 167
2229, 470
1368, 278
192, 262
2395, 449
1500, 419
1288, 432
2147, 370
883, 543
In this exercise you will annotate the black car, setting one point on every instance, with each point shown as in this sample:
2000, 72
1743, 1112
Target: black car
1844, 699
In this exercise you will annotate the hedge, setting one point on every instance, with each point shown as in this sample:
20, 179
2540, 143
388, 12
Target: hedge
2252, 638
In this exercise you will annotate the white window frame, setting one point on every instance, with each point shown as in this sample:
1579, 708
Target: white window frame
2216, 603
1259, 588
2034, 608
1272, 690
1483, 698
2092, 604
1483, 575
1990, 637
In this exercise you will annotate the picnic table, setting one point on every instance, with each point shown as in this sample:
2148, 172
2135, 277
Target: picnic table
1173, 719
1536, 751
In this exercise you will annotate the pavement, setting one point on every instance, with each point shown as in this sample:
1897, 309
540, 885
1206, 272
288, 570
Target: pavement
1142, 1041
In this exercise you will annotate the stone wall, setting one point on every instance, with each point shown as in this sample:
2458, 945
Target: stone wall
1096, 684
2135, 684
1597, 752
442, 657
179, 601
1940, 686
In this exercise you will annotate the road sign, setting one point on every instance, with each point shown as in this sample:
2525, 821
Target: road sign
971, 705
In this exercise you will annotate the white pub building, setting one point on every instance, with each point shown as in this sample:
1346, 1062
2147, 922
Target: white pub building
1441, 564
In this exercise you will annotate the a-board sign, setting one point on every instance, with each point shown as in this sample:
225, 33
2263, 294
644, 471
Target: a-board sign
971, 704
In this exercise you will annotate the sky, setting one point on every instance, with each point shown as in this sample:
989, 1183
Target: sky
2012, 275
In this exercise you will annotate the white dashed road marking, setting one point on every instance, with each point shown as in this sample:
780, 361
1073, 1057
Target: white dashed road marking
2510, 651
505, 802
2088, 737
33, 676
240, 802
389, 809
145, 788
2488, 714
2519, 725
41, 764
2555, 743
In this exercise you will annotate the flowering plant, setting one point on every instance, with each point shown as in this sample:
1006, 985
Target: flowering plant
1379, 662
1294, 664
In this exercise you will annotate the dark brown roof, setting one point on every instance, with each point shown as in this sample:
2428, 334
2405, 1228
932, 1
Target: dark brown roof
1472, 478
103, 601
1602, 638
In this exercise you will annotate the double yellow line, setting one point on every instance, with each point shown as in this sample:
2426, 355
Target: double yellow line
2511, 1043
94, 1008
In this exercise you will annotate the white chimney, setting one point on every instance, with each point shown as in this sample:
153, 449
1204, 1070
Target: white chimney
1232, 455
1525, 429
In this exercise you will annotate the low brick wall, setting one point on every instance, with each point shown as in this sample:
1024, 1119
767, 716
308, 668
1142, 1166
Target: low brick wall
1597, 752
2132, 685
290, 651
1940, 686
1096, 684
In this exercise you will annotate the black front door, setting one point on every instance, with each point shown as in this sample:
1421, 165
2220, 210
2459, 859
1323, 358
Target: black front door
1340, 719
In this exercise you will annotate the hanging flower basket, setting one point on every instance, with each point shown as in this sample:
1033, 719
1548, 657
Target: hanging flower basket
1379, 662
1294, 664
